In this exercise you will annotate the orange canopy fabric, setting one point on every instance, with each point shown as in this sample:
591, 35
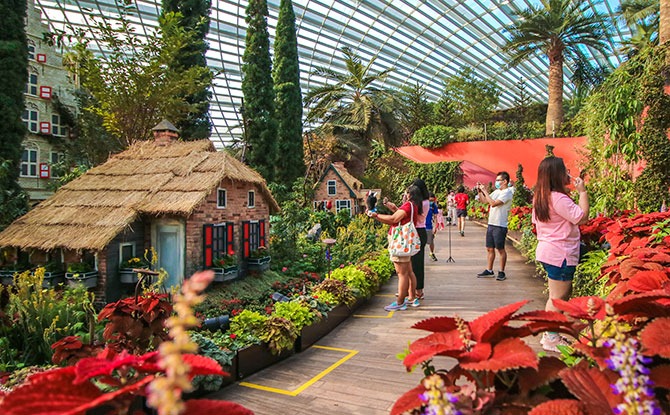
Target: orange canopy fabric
495, 156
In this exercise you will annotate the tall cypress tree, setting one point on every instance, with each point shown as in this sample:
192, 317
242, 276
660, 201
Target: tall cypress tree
258, 91
194, 17
286, 75
14, 75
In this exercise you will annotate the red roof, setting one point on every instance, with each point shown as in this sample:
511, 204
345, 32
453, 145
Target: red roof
485, 158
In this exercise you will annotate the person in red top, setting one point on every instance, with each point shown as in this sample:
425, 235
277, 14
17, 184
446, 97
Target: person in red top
412, 206
462, 200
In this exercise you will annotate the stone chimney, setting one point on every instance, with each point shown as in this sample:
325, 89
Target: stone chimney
165, 132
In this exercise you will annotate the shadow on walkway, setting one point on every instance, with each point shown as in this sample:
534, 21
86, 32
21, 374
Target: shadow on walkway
373, 378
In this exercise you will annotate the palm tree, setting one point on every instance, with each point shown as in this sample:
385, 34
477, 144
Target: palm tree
558, 29
642, 18
353, 107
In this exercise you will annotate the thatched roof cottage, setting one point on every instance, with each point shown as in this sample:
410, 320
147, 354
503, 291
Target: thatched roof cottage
184, 199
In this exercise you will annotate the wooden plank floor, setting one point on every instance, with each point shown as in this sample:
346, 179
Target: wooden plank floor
369, 382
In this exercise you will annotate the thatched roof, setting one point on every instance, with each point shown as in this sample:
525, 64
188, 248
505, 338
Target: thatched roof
90, 211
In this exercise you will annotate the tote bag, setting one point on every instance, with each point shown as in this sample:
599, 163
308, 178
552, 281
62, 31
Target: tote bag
405, 239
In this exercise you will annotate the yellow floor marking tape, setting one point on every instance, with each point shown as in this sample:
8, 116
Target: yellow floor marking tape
350, 354
389, 315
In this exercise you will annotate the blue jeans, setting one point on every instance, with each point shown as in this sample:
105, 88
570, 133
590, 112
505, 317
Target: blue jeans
563, 273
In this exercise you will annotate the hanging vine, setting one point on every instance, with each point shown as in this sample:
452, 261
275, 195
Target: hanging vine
626, 121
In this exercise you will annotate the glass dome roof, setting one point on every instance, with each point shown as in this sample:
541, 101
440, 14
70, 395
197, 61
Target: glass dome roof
424, 41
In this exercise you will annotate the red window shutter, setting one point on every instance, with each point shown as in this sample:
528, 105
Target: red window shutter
45, 127
41, 58
261, 232
208, 254
245, 239
229, 238
45, 92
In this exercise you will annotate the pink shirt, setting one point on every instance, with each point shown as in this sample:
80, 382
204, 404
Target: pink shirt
420, 219
558, 239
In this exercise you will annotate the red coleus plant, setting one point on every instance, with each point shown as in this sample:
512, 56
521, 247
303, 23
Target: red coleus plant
136, 323
498, 373
111, 381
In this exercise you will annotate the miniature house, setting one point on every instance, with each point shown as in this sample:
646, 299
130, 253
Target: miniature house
184, 199
337, 189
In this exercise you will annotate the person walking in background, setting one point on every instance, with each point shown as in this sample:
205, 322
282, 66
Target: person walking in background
451, 208
500, 202
419, 259
461, 199
431, 217
411, 208
557, 218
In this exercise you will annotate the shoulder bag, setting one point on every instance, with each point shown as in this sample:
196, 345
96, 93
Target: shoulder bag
405, 239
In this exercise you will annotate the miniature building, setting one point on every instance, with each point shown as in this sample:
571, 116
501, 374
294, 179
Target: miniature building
50, 102
337, 189
184, 199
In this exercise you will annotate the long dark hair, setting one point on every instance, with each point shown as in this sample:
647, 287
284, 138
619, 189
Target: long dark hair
416, 197
425, 194
551, 177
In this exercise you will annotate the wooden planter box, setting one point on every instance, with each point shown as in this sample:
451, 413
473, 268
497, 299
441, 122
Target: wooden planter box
258, 264
256, 357
52, 279
87, 279
226, 274
314, 332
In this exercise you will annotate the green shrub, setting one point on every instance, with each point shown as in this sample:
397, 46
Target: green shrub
382, 265
279, 333
247, 326
588, 280
334, 292
355, 279
208, 348
470, 133
433, 136
363, 235
299, 314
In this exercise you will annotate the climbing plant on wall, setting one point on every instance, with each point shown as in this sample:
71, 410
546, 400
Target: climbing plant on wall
626, 121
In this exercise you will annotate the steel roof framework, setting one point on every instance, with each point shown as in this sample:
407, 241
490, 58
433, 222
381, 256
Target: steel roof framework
424, 41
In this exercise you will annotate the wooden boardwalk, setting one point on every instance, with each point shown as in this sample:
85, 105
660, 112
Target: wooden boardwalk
369, 377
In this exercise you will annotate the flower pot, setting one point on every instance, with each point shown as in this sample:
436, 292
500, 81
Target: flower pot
52, 279
226, 274
256, 357
258, 264
128, 276
87, 279
314, 332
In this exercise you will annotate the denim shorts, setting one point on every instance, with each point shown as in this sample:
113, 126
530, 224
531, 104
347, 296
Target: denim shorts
563, 273
495, 237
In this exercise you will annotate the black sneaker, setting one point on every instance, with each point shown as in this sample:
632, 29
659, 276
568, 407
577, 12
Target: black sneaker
462, 233
432, 256
485, 274
501, 276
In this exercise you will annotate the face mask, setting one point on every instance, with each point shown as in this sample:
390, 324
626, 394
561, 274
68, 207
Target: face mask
497, 185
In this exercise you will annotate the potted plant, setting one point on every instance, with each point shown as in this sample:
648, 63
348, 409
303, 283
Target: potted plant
81, 273
225, 267
126, 273
259, 259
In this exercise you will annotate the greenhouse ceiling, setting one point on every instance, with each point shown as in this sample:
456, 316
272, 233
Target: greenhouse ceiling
424, 41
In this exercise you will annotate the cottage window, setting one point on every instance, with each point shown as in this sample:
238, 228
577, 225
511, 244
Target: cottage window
30, 120
57, 128
217, 241
253, 236
31, 86
221, 197
29, 162
332, 187
126, 251
343, 204
251, 200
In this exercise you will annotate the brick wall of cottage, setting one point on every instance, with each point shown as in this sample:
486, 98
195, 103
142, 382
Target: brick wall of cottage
236, 211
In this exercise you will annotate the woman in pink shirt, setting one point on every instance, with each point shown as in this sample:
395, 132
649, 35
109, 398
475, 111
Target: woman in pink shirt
557, 218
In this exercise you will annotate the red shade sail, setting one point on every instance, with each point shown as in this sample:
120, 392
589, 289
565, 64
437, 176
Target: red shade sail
495, 156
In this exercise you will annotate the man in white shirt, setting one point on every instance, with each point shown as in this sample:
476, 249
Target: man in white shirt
500, 202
